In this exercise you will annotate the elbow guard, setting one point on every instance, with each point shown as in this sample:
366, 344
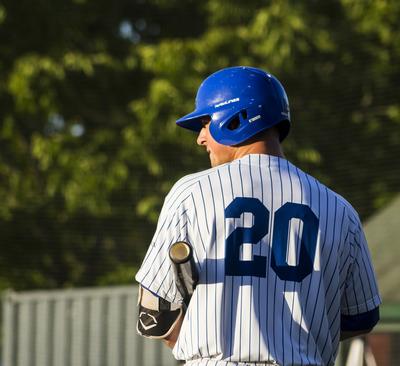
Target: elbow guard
157, 317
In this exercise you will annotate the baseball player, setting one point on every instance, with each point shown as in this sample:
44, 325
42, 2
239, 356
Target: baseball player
281, 264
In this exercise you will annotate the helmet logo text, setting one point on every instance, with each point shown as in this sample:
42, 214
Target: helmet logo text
226, 102
255, 118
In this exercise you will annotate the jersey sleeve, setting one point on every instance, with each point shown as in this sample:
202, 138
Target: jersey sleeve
156, 272
360, 293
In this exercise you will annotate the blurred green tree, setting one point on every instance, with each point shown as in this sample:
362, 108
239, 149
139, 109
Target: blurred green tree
89, 92
77, 185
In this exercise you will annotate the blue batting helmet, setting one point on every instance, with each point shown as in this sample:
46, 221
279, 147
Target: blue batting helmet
240, 102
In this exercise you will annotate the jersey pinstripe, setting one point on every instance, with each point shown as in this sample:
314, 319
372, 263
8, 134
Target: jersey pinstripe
235, 319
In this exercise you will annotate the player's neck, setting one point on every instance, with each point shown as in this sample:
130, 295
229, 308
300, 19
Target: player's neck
271, 147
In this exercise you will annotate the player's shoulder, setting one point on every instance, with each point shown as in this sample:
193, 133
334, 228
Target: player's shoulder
189, 183
351, 212
349, 209
341, 201
333, 195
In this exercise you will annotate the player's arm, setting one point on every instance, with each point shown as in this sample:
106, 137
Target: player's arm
355, 325
360, 302
346, 335
162, 301
158, 318
171, 339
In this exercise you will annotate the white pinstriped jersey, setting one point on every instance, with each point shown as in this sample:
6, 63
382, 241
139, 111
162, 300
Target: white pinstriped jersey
280, 258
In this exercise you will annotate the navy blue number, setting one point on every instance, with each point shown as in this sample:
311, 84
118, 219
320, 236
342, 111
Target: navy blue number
233, 265
257, 267
307, 246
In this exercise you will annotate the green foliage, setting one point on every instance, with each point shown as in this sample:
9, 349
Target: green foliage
121, 275
89, 92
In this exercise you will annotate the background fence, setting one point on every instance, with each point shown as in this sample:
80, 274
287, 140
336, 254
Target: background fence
97, 327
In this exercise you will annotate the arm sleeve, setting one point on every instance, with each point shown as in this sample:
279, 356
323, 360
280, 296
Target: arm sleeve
360, 293
364, 321
156, 272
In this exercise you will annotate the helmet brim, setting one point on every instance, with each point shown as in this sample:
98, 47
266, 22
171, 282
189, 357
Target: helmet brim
193, 121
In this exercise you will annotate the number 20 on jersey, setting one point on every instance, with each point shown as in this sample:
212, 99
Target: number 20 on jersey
257, 267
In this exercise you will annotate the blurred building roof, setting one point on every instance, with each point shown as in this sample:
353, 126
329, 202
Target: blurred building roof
383, 234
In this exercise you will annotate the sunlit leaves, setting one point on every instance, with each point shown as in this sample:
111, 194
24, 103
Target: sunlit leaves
28, 70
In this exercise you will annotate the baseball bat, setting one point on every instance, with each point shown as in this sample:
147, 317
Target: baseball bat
181, 255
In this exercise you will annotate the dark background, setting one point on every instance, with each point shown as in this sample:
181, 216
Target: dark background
90, 90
